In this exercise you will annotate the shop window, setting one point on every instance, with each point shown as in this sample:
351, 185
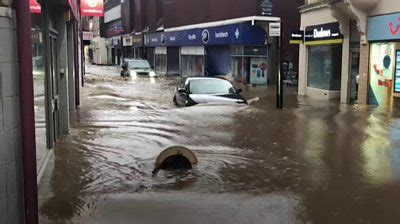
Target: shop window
161, 63
192, 65
325, 66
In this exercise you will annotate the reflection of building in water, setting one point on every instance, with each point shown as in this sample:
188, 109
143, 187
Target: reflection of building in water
376, 150
315, 151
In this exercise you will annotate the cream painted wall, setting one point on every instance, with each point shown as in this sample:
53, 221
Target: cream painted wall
385, 7
317, 16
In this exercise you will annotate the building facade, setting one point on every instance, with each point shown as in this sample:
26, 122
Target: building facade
350, 50
241, 51
11, 171
57, 71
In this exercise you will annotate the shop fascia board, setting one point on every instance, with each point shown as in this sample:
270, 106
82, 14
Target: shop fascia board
252, 19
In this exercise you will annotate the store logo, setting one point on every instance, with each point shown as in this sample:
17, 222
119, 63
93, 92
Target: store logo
163, 39
205, 36
394, 31
221, 34
192, 37
321, 33
237, 33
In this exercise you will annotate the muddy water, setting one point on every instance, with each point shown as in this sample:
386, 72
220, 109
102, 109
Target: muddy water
314, 162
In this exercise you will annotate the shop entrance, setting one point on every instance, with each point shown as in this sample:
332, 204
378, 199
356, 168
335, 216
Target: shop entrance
354, 73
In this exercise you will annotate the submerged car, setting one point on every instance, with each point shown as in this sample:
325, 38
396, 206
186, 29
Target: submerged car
134, 67
201, 90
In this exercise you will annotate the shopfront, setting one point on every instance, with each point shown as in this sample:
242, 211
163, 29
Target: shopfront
384, 68
207, 51
156, 51
249, 64
324, 64
127, 44
192, 61
138, 49
116, 52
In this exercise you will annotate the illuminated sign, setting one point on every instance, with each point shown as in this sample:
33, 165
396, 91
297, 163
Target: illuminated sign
92, 8
35, 7
397, 73
385, 27
323, 34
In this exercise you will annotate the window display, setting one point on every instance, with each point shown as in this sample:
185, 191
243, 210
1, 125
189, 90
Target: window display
325, 67
382, 62
192, 65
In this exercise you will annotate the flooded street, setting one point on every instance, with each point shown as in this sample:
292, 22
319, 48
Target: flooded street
314, 162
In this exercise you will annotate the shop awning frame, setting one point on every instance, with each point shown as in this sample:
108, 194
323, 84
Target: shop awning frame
252, 19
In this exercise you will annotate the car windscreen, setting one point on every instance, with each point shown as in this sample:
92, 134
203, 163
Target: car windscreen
138, 65
211, 86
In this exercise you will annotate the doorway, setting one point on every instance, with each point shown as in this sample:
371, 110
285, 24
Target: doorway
354, 73
53, 99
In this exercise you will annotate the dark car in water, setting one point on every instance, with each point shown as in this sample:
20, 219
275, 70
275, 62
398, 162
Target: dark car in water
201, 90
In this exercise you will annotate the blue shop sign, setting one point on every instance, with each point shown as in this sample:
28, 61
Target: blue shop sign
385, 27
235, 34
154, 39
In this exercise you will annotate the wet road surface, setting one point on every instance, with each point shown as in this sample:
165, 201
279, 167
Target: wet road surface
314, 162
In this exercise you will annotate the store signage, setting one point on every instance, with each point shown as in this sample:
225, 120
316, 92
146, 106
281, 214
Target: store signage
242, 33
397, 73
87, 35
263, 66
35, 7
386, 27
205, 36
127, 41
296, 37
274, 29
323, 34
137, 40
92, 8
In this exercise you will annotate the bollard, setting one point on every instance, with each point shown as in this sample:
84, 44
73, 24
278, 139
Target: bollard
175, 158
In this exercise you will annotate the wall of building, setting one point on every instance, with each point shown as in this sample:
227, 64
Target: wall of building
176, 13
385, 7
11, 189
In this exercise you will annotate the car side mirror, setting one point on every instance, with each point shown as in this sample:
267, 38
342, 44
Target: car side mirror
239, 90
182, 90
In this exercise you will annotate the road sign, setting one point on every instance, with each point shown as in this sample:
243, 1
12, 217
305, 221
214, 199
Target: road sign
274, 29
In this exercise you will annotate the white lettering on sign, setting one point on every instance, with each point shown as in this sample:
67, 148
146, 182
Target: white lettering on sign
192, 37
296, 35
154, 39
173, 39
322, 33
221, 35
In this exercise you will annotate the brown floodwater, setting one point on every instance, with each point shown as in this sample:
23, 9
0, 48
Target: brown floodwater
313, 162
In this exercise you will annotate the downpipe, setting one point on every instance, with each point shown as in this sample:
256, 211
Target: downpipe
27, 114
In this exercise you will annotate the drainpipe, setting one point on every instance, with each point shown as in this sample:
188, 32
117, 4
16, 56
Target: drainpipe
27, 114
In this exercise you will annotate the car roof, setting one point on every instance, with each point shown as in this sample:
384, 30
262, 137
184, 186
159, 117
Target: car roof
188, 79
203, 77
133, 60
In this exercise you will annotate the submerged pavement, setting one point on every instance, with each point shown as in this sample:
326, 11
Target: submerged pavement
313, 162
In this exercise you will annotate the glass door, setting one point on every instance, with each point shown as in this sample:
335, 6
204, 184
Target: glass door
354, 73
